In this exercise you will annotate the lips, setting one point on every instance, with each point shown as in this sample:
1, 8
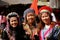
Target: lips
45, 20
14, 24
31, 19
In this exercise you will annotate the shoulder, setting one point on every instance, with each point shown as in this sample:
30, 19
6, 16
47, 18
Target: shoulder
56, 31
57, 27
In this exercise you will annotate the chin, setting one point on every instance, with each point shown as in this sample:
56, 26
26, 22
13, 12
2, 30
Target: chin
46, 23
14, 26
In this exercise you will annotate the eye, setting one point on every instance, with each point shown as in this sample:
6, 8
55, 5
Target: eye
46, 16
42, 16
11, 21
15, 20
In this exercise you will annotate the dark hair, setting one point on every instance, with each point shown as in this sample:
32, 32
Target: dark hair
13, 14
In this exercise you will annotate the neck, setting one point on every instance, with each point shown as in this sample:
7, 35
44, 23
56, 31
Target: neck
48, 23
11, 28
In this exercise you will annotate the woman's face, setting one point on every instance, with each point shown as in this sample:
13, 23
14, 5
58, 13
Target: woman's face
13, 22
45, 18
30, 18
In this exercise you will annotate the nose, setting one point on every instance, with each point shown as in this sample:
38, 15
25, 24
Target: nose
45, 18
14, 22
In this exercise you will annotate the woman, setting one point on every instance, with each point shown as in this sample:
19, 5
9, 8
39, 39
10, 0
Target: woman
48, 25
14, 31
30, 24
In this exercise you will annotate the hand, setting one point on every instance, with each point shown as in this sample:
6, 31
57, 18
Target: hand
35, 31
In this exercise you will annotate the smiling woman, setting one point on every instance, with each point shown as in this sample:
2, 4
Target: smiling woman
13, 22
14, 31
50, 27
30, 24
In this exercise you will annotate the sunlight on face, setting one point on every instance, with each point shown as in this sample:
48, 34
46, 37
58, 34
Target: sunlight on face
45, 18
30, 17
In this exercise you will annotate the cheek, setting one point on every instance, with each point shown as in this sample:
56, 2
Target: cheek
11, 23
17, 22
48, 18
42, 18
27, 18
